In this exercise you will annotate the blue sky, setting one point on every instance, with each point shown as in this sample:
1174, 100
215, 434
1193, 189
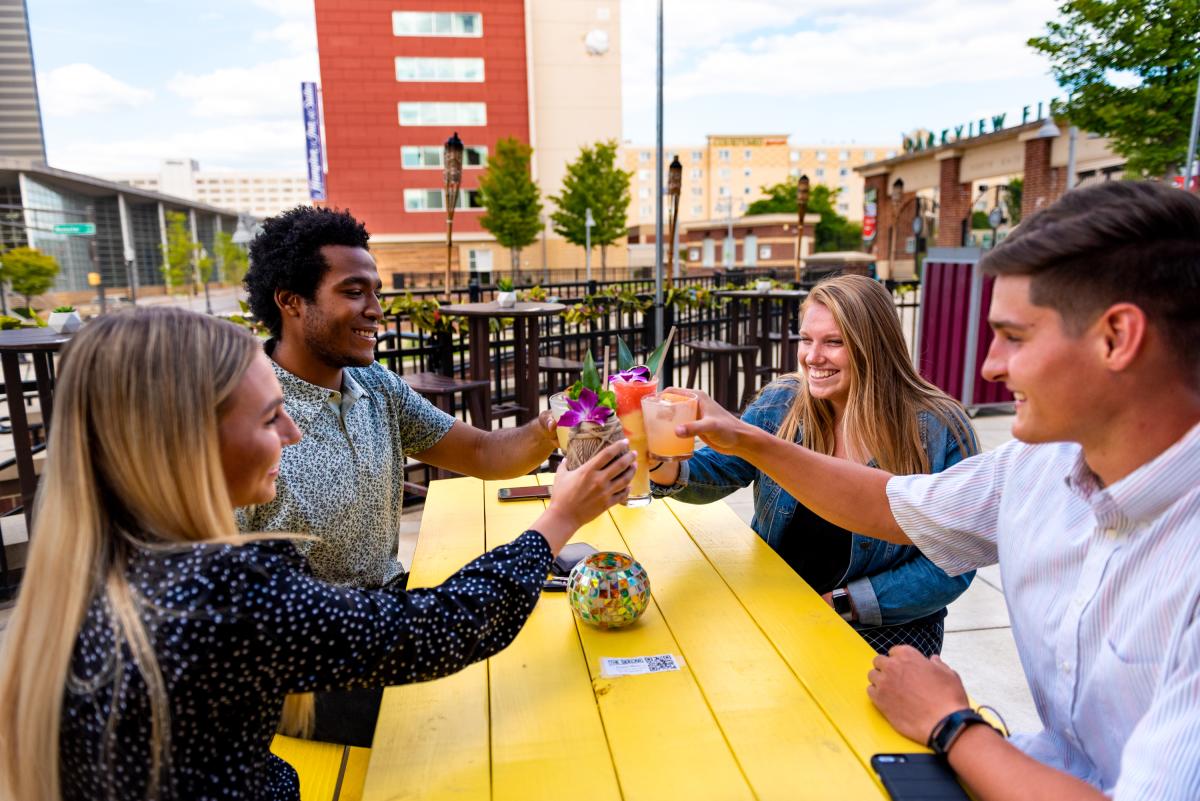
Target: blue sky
124, 84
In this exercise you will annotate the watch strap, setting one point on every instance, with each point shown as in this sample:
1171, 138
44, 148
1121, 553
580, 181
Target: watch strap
842, 604
951, 727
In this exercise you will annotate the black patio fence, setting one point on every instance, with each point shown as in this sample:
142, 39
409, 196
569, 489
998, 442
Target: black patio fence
596, 315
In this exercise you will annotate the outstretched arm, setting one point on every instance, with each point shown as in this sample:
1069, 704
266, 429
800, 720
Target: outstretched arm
503, 453
848, 495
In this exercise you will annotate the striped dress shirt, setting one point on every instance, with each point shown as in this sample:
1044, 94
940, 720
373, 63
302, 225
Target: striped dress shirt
1103, 589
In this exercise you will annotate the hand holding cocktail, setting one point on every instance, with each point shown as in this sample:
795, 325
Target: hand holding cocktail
663, 415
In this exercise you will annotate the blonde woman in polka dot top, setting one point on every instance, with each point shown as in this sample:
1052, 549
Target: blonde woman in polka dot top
152, 647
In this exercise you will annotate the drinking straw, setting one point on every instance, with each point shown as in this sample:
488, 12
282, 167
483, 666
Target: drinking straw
666, 350
604, 368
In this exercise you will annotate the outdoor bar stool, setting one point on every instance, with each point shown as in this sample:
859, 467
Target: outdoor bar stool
724, 357
560, 373
443, 391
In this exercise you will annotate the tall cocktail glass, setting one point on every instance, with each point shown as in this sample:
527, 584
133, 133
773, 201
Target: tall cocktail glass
662, 413
629, 410
558, 405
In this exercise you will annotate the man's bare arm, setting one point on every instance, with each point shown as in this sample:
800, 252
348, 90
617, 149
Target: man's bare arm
502, 453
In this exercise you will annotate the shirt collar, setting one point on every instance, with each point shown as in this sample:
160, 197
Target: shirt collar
304, 400
1148, 491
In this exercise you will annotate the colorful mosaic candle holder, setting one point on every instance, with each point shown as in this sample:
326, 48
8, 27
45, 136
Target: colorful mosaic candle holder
608, 590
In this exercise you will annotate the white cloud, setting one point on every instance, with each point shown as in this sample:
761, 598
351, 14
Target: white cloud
270, 90
717, 47
252, 145
74, 89
299, 35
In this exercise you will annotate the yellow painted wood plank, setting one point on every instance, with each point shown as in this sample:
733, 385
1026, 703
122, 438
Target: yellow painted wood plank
546, 730
768, 717
663, 738
431, 741
829, 658
356, 774
317, 765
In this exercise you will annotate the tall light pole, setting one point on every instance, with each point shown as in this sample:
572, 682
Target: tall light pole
588, 222
206, 273
896, 196
1191, 151
674, 184
658, 186
730, 245
802, 190
452, 158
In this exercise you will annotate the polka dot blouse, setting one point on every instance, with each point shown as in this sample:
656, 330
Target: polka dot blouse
235, 629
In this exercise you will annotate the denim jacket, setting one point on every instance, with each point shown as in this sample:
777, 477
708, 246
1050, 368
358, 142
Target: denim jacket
889, 584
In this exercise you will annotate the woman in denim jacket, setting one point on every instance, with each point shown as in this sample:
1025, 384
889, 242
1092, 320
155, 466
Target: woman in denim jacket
859, 396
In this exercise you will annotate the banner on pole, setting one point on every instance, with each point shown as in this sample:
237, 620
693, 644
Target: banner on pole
312, 136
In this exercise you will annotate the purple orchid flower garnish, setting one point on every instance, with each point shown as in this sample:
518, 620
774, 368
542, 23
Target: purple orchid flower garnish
639, 374
586, 409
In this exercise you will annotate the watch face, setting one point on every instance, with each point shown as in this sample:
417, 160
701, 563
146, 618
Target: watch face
841, 604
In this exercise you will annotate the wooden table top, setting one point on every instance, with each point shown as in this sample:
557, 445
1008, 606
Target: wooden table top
494, 309
27, 340
770, 702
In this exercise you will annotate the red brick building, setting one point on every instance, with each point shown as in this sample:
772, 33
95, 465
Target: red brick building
399, 78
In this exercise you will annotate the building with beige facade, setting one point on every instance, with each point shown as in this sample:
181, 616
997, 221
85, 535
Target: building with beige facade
729, 172
259, 194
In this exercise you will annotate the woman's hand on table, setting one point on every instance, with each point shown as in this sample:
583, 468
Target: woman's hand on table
584, 493
717, 428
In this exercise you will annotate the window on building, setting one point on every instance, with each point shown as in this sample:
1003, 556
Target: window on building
710, 252
697, 209
435, 199
723, 154
723, 191
644, 193
443, 114
764, 252
693, 254
869, 155
644, 155
724, 172
750, 250
433, 23
747, 154
697, 155
645, 211
746, 172
479, 262
697, 173
843, 207
844, 171
821, 155
794, 155
745, 190
741, 205
819, 172
429, 157
697, 191
643, 175
844, 155
443, 70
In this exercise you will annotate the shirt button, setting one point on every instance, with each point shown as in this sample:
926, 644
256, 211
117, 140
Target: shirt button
1066, 667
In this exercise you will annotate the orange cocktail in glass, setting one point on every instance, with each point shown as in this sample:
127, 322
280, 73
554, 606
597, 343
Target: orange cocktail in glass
630, 387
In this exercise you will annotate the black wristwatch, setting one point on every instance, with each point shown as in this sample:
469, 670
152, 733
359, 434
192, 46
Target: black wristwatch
951, 727
842, 605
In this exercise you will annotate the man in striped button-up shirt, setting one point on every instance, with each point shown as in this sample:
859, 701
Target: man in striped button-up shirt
1093, 515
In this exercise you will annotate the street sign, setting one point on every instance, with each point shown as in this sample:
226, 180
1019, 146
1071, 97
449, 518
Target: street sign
76, 229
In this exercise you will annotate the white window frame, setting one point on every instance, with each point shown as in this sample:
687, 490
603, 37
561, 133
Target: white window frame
437, 23
416, 201
764, 252
429, 157
439, 70
425, 114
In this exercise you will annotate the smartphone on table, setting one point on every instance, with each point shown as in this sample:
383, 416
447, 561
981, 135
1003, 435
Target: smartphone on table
918, 777
523, 493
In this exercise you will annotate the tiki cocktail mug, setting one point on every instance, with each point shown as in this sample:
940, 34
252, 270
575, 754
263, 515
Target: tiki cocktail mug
662, 413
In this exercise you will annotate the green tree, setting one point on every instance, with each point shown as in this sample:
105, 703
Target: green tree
593, 181
834, 232
179, 253
1012, 199
232, 258
1155, 42
512, 200
29, 272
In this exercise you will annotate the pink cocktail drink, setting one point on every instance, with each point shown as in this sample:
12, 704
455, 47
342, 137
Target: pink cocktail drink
629, 410
662, 413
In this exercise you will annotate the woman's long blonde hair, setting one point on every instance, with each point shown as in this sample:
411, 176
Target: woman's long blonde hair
886, 392
133, 462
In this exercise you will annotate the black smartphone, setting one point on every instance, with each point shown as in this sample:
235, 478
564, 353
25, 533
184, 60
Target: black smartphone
571, 555
918, 777
523, 493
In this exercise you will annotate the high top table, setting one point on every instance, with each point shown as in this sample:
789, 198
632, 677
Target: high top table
525, 348
770, 702
760, 323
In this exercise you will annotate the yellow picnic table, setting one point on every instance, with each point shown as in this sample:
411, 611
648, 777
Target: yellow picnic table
770, 702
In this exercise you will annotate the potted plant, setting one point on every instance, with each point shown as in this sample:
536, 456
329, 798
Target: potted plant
506, 298
65, 320
763, 285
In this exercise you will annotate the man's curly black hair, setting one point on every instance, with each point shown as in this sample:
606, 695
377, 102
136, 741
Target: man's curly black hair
287, 255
